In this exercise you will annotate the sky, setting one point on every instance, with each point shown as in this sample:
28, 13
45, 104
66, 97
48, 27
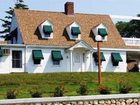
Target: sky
110, 7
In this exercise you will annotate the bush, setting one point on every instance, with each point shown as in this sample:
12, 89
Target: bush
124, 88
83, 90
35, 92
59, 91
104, 90
11, 94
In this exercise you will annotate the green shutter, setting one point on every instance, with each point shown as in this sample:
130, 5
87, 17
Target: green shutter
116, 57
75, 30
56, 55
1, 52
37, 55
102, 32
47, 29
95, 55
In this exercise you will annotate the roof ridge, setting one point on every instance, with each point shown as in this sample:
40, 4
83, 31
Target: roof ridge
59, 12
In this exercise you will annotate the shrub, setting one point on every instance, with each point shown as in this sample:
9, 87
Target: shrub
124, 88
59, 91
35, 92
11, 94
83, 90
104, 90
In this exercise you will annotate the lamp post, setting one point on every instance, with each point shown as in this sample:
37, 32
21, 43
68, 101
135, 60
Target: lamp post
99, 64
99, 39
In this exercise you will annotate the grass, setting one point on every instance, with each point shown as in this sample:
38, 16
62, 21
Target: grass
23, 83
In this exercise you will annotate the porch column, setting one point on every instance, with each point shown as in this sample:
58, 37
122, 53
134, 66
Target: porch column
91, 61
139, 65
71, 60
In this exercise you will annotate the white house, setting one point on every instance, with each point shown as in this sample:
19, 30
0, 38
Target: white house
42, 41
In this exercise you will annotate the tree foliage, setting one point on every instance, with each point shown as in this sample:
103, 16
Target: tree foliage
7, 19
129, 29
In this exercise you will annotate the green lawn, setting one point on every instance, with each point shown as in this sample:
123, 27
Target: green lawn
23, 83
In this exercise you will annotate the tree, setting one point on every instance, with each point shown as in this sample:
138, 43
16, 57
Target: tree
129, 29
7, 20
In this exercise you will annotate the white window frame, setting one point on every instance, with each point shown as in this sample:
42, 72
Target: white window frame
47, 22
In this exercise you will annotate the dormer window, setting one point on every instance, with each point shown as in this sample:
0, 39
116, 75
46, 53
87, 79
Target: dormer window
100, 32
46, 30
74, 31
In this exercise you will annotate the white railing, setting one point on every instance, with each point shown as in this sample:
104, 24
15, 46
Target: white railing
44, 101
132, 41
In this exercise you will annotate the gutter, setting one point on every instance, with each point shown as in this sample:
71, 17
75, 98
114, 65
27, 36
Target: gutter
44, 46
24, 45
117, 49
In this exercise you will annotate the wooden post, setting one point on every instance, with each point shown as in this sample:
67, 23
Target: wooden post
99, 64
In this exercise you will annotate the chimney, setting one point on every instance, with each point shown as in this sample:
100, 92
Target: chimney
69, 8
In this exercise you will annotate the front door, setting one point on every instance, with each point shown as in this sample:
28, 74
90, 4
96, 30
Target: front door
78, 60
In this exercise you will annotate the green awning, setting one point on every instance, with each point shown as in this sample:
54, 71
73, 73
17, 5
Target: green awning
101, 55
37, 55
56, 55
75, 30
102, 32
47, 29
1, 52
116, 57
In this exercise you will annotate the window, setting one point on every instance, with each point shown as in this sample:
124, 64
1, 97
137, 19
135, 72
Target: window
77, 58
56, 62
16, 59
6, 51
56, 57
37, 56
74, 36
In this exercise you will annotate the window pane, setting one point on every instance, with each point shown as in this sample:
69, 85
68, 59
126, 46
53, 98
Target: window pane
16, 59
55, 62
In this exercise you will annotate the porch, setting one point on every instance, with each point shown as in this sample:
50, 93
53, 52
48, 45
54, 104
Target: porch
80, 57
133, 60
132, 41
